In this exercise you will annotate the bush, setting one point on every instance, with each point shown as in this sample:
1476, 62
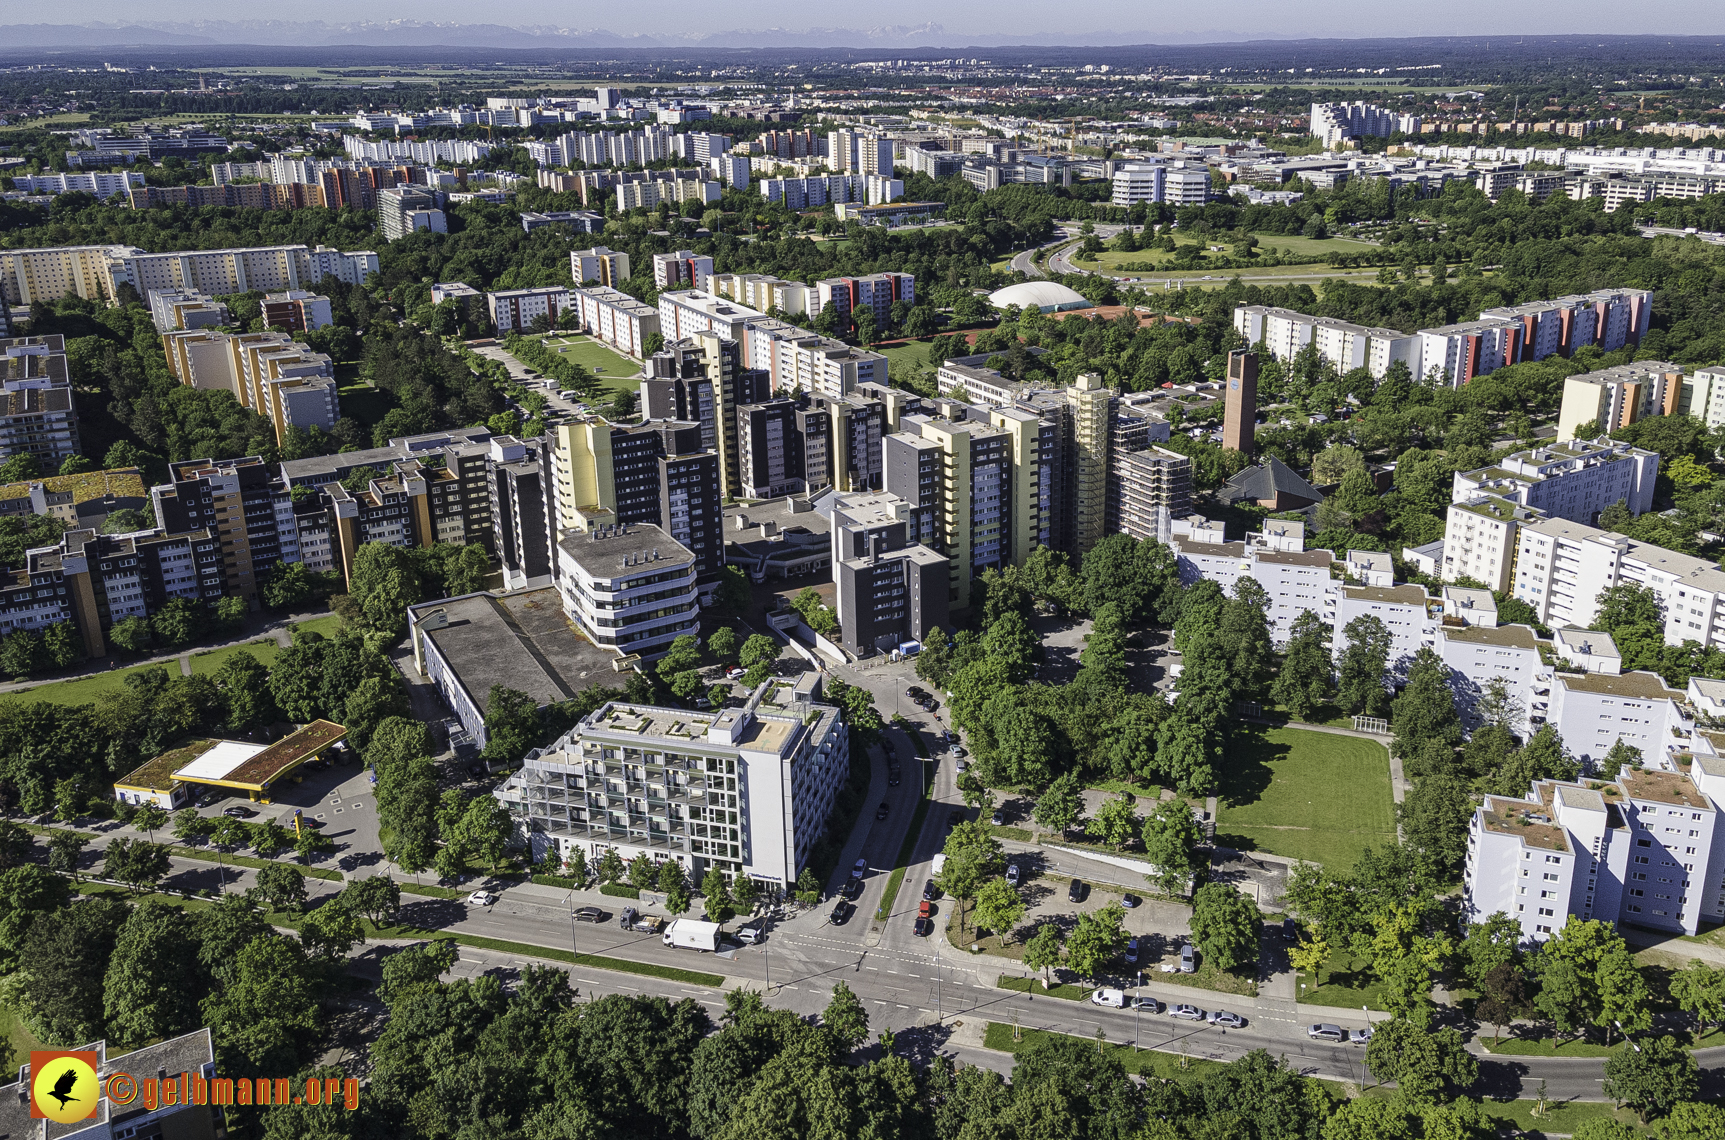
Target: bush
615, 890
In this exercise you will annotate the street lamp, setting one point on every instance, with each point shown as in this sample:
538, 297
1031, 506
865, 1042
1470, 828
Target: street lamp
1137, 996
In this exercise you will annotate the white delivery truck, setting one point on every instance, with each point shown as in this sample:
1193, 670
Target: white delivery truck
692, 934
1113, 999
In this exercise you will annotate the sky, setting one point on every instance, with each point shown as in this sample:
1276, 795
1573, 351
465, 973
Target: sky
1134, 21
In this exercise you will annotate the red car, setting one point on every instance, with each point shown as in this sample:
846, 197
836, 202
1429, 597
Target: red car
925, 909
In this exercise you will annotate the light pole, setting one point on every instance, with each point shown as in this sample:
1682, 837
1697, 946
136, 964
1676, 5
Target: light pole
1137, 994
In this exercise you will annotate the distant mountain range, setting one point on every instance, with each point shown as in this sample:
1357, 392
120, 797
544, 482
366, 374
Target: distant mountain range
414, 33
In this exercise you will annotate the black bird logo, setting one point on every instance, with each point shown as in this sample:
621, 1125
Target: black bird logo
64, 1086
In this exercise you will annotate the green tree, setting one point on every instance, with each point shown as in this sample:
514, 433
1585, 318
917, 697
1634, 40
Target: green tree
722, 643
1427, 729
715, 900
1434, 818
846, 1017
383, 584
280, 887
1061, 806
1425, 1066
1225, 926
1171, 841
266, 1016
1620, 756
153, 977
1488, 945
64, 850
377, 897
62, 645
1693, 1121
135, 863
1096, 939
486, 828
684, 654
1042, 951
759, 654
611, 867
998, 908
1303, 684
644, 872
1115, 823
1360, 669
189, 826
330, 931
1652, 1079
26, 894
415, 969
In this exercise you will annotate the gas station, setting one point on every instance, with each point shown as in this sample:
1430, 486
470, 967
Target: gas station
171, 780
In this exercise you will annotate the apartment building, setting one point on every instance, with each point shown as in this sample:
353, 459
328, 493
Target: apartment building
242, 196
1296, 579
1147, 490
1480, 539
31, 276
83, 500
889, 589
617, 318
772, 450
860, 152
1616, 397
578, 221
38, 416
658, 472
802, 361
514, 310
240, 503
600, 266
1335, 123
1703, 396
877, 292
1573, 481
961, 474
469, 300
1643, 849
683, 269
764, 292
1408, 613
812, 191
628, 587
1283, 333
1479, 654
172, 309
294, 310
747, 791
1136, 182
686, 312
1607, 318
648, 195
855, 428
225, 271
279, 378
103, 186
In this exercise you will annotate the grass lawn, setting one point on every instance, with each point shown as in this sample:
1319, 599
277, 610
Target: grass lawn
1571, 1047
1515, 1117
1208, 977
85, 690
365, 403
328, 626
18, 1035
1149, 1062
1034, 986
1306, 795
903, 358
612, 369
1345, 984
211, 660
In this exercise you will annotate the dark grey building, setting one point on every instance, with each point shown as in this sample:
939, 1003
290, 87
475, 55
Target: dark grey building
518, 482
889, 589
771, 450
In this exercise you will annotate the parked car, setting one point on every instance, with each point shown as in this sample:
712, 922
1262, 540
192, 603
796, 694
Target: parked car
734, 672
1147, 1005
1290, 930
1132, 951
892, 779
884, 810
1075, 891
628, 917
1188, 960
860, 869
841, 913
1113, 999
956, 752
703, 703
1324, 1031
1359, 1036
239, 812
924, 927
1226, 1020
1130, 902
209, 798
930, 891
916, 691
851, 890
590, 914
317, 765
997, 818
963, 767
886, 746
1012, 874
477, 770
1185, 1013
481, 898
751, 933
925, 909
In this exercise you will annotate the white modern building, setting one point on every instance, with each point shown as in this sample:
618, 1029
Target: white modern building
1479, 654
601, 265
747, 790
103, 186
1296, 579
1410, 615
515, 310
1335, 123
1573, 481
617, 318
685, 312
1480, 537
1283, 333
628, 587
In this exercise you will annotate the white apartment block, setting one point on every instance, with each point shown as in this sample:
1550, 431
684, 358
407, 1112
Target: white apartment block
1136, 182
817, 190
802, 361
600, 265
1573, 481
1479, 654
31, 275
617, 318
628, 587
648, 195
877, 291
1617, 397
1335, 122
1561, 567
1284, 333
514, 310
1607, 318
103, 186
1186, 185
1296, 579
684, 269
170, 310
746, 790
1457, 353
685, 312
1643, 850
224, 271
858, 152
1480, 537
1409, 615
1704, 396
764, 292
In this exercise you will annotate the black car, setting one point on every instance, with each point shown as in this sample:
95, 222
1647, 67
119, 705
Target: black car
930, 704
841, 913
915, 692
590, 914
238, 812
852, 889
1075, 892
930, 891
883, 811
318, 765
1290, 930
477, 771
892, 780
924, 927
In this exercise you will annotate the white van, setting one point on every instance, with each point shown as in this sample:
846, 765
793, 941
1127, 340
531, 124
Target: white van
1113, 999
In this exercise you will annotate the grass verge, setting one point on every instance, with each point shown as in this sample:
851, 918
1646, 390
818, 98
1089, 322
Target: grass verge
906, 848
1307, 795
1344, 982
1147, 1062
1210, 978
250, 861
1034, 986
433, 892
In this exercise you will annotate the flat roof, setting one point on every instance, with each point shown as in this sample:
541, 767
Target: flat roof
157, 774
255, 768
520, 641
1296, 557
1663, 787
1519, 636
1593, 642
1643, 686
1407, 594
602, 552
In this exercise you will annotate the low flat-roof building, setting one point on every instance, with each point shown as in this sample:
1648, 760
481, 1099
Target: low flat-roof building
235, 764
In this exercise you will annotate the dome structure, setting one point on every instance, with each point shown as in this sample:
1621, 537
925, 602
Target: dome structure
1048, 296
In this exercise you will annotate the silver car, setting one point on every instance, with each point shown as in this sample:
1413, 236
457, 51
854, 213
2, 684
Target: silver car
1185, 1013
1359, 1036
1226, 1020
1325, 1032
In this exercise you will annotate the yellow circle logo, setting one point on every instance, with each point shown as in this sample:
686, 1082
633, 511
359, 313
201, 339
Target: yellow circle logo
65, 1089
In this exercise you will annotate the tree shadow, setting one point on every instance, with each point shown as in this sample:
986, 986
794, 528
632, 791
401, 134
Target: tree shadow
1499, 1080
429, 913
1246, 774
